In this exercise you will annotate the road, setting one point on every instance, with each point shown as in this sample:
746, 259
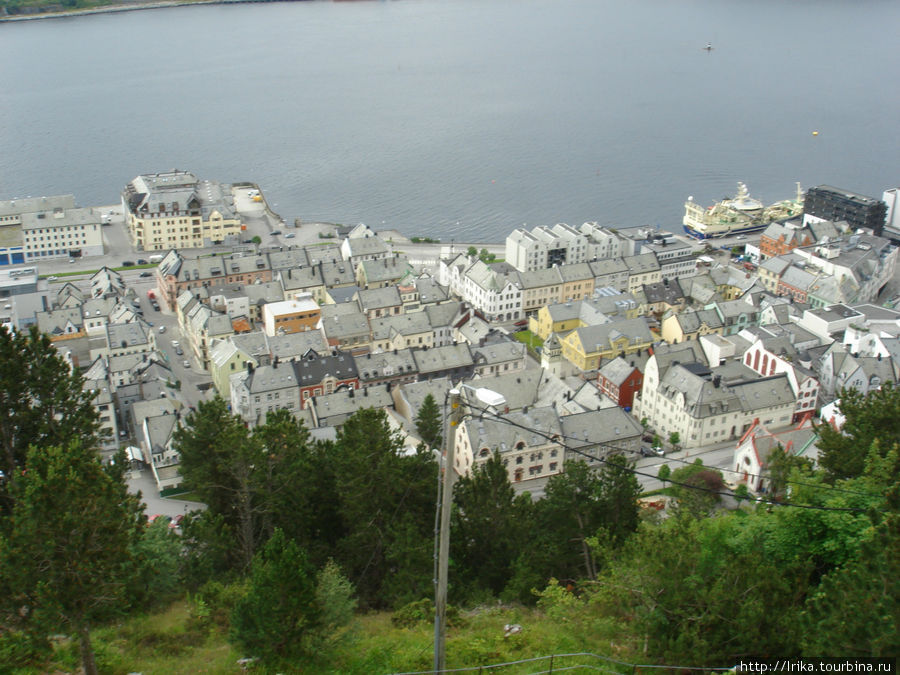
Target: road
719, 456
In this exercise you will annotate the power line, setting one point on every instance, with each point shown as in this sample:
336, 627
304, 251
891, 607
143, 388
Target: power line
636, 472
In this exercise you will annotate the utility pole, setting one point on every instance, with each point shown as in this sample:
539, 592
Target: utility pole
440, 595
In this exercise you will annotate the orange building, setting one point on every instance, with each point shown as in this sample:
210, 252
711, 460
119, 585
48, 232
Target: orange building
291, 316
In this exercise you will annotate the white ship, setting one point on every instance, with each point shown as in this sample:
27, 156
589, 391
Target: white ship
737, 216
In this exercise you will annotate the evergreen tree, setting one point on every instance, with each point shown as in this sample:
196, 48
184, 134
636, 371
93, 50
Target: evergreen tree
429, 424
67, 558
280, 607
41, 403
488, 528
868, 417
386, 506
617, 493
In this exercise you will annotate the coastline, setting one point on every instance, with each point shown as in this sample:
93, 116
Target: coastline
111, 9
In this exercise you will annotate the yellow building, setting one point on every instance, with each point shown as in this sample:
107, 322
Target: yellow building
586, 347
679, 327
563, 317
175, 210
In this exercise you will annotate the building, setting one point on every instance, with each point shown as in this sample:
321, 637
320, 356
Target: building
831, 203
176, 273
291, 316
620, 380
706, 406
751, 456
545, 247
585, 348
12, 244
176, 210
529, 443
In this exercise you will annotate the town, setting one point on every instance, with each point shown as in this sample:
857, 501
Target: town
634, 341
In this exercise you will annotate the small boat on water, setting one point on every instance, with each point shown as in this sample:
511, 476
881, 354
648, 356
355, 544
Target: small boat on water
708, 47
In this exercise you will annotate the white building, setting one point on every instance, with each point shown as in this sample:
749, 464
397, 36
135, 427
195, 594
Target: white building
703, 407
544, 247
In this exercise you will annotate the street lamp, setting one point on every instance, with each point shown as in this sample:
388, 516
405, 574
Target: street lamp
454, 398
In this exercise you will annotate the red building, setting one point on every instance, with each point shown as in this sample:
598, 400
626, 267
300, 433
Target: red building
619, 380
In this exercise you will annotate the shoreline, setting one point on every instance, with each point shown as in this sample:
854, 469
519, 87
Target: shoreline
113, 9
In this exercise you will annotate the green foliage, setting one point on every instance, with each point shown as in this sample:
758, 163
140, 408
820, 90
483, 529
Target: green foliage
486, 256
68, 553
682, 590
334, 597
674, 439
429, 424
256, 240
855, 610
558, 602
472, 252
42, 401
21, 649
780, 468
489, 527
424, 240
664, 473
698, 496
279, 609
251, 482
869, 417
159, 553
214, 603
385, 505
413, 613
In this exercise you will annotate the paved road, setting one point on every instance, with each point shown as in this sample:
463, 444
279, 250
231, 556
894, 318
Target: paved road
154, 504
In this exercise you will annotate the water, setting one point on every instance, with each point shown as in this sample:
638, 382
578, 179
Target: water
459, 119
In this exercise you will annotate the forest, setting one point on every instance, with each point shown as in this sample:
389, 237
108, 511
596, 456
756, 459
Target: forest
301, 540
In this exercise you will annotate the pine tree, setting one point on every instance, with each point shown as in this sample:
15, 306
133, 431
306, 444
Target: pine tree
428, 423
67, 559
280, 607
41, 404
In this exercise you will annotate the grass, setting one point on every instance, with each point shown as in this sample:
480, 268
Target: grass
529, 338
171, 642
81, 273
186, 497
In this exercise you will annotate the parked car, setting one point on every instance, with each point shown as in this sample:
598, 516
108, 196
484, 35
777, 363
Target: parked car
162, 329
128, 263
290, 235
155, 305
658, 450
52, 278
186, 363
142, 261
175, 343
179, 351
145, 274
275, 233
521, 324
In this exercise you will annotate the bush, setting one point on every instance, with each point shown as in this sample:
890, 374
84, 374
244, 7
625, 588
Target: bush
20, 650
422, 611
414, 613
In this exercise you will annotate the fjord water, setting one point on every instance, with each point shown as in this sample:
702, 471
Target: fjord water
459, 118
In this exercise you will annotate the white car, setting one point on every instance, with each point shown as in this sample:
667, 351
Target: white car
175, 343
52, 278
162, 329
187, 364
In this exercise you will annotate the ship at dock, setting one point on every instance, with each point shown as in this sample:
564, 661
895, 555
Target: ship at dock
739, 215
